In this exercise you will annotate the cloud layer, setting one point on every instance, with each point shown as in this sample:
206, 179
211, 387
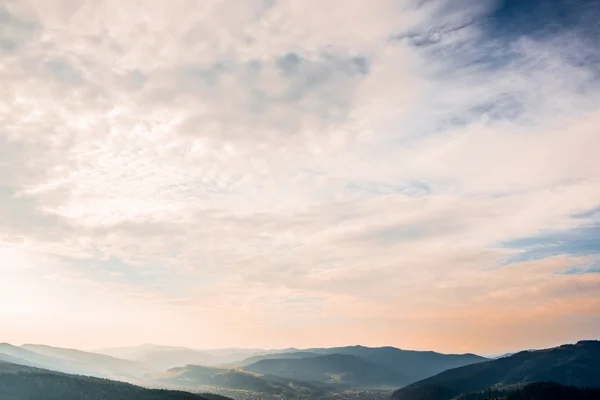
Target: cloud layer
273, 173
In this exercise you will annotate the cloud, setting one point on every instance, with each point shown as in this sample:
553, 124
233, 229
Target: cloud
269, 163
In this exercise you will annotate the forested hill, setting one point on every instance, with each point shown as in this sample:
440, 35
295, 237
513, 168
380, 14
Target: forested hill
337, 369
554, 391
18, 382
574, 364
535, 391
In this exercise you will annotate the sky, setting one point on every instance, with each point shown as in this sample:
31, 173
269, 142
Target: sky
271, 173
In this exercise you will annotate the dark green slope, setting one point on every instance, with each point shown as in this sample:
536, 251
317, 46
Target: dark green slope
536, 391
336, 369
18, 382
554, 391
576, 365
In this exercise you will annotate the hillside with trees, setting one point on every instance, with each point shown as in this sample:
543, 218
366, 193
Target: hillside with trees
573, 365
18, 382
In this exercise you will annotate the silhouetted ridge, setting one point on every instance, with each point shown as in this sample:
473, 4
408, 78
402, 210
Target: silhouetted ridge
574, 364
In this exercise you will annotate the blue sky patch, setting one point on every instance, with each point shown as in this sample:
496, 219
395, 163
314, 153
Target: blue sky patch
578, 242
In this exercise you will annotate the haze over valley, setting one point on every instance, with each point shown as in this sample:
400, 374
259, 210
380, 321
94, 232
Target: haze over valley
325, 373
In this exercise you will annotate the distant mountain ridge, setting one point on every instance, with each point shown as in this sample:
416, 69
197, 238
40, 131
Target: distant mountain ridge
97, 364
30, 358
574, 364
412, 365
351, 366
335, 369
166, 357
408, 365
72, 361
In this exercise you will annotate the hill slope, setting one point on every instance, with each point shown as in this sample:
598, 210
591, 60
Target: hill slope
415, 365
22, 356
18, 382
254, 359
576, 365
87, 363
197, 377
338, 369
535, 391
412, 365
554, 391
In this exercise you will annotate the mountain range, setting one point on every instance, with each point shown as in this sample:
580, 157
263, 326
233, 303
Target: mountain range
396, 365
343, 370
577, 365
296, 373
351, 366
308, 371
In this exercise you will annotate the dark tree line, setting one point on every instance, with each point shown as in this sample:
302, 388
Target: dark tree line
50, 386
554, 391
537, 391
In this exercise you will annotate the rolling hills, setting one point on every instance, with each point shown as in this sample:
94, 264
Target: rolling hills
408, 364
577, 365
19, 382
336, 369
87, 363
20, 355
199, 377
274, 356
415, 365
363, 367
294, 373
72, 361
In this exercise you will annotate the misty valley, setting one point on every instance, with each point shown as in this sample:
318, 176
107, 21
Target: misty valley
356, 372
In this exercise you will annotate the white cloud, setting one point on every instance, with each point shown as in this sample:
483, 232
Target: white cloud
249, 153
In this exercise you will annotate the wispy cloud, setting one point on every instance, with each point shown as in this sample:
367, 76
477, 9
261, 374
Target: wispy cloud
269, 164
